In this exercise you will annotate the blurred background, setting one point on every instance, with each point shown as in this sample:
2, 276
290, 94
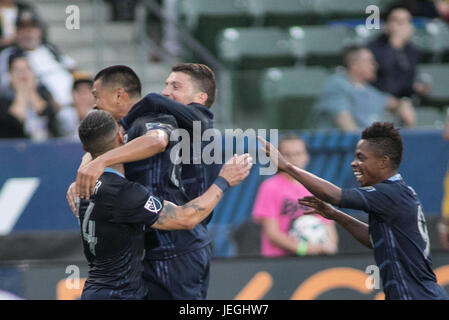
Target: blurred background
284, 64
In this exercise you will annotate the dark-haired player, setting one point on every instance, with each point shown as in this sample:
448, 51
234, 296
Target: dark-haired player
396, 229
112, 221
117, 89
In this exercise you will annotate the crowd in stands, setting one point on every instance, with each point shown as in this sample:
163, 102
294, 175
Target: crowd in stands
43, 94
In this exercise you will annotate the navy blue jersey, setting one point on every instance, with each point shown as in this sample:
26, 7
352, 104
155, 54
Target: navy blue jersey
163, 178
398, 233
111, 224
197, 176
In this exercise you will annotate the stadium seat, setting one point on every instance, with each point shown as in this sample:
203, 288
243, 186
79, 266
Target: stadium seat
206, 18
438, 76
428, 116
255, 48
291, 12
289, 94
320, 45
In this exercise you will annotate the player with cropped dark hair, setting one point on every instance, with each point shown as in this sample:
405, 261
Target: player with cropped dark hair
396, 229
112, 221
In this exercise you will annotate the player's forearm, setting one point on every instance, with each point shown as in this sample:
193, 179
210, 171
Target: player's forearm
188, 216
198, 209
357, 228
320, 188
138, 149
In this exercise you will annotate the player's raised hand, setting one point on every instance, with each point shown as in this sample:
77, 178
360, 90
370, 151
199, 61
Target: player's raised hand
87, 177
273, 153
236, 169
320, 207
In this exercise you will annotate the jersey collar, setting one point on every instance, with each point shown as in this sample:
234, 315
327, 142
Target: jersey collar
396, 177
110, 170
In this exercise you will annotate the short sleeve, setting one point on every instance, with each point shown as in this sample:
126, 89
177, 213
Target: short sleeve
379, 200
267, 204
334, 97
135, 204
166, 123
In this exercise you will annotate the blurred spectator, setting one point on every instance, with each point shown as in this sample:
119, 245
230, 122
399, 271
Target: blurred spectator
421, 8
27, 109
443, 225
10, 12
397, 58
83, 101
442, 7
51, 67
348, 101
276, 207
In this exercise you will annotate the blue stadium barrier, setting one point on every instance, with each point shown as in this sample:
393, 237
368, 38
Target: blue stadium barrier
50, 167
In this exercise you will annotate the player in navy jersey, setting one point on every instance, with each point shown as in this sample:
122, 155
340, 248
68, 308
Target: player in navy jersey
117, 90
396, 229
112, 221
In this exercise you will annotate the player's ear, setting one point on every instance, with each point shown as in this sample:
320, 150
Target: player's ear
202, 97
120, 94
385, 162
119, 138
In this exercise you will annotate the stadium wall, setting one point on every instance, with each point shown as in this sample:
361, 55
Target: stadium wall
344, 277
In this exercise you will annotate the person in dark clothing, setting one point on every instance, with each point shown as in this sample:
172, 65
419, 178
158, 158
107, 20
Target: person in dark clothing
397, 57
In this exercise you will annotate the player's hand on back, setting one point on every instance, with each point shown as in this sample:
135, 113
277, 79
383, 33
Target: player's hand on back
236, 169
87, 177
274, 154
318, 206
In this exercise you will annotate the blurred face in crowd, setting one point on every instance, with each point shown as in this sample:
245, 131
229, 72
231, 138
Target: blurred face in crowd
399, 23
83, 99
29, 37
363, 66
21, 72
295, 152
180, 87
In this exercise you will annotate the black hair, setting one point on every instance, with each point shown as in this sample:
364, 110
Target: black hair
97, 132
122, 76
349, 53
203, 76
386, 140
394, 6
16, 55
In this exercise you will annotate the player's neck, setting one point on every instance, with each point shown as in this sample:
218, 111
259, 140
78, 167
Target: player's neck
119, 167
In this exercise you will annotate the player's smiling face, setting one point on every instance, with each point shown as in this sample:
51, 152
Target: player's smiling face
366, 165
180, 87
104, 99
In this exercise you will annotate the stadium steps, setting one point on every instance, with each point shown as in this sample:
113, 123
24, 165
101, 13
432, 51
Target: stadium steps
119, 40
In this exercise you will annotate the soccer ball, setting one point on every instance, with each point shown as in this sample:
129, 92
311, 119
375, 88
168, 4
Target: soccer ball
309, 228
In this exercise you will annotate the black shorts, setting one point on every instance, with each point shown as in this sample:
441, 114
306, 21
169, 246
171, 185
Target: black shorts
185, 277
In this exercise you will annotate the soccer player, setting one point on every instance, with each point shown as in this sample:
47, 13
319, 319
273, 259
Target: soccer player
396, 229
112, 221
117, 89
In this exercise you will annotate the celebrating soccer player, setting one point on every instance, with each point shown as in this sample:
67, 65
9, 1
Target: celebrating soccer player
396, 230
112, 221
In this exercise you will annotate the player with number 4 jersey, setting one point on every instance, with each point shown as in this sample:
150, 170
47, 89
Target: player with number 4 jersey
112, 221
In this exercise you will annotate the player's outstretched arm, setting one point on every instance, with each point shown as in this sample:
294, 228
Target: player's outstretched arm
358, 229
173, 217
148, 145
320, 188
